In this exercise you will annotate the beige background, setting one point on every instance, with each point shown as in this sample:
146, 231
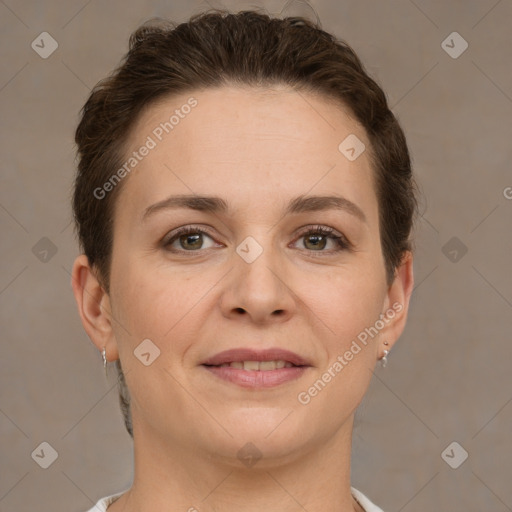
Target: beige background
448, 378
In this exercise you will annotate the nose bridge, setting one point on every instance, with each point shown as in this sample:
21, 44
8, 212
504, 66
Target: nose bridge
259, 258
257, 285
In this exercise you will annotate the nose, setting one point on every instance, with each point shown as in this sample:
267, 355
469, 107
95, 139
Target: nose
258, 289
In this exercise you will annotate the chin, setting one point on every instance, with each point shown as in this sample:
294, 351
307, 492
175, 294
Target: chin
268, 436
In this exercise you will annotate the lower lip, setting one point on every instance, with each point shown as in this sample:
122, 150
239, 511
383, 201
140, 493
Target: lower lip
257, 378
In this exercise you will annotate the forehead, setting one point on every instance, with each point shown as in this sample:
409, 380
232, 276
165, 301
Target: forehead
252, 145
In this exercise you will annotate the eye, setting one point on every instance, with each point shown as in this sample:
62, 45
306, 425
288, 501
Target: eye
316, 239
188, 238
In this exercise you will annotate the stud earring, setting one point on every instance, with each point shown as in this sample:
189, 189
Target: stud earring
104, 355
384, 358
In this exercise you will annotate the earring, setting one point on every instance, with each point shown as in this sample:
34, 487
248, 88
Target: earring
104, 355
384, 358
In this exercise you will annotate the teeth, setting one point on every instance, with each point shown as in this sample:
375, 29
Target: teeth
258, 365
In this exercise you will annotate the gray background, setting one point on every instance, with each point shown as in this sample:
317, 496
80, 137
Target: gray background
449, 376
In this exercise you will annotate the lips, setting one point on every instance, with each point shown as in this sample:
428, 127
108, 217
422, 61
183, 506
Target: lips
257, 369
241, 355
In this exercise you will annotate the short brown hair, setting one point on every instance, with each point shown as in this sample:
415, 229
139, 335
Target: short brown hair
245, 48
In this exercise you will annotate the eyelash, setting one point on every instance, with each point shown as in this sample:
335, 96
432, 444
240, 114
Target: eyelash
341, 241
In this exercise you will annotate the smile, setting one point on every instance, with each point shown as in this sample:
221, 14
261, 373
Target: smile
263, 366
256, 368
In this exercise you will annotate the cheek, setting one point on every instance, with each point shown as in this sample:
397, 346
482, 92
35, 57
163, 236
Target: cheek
348, 300
349, 310
153, 307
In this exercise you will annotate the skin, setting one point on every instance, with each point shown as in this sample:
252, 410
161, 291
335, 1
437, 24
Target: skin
257, 149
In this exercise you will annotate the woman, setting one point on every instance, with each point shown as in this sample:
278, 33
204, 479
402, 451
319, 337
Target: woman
244, 202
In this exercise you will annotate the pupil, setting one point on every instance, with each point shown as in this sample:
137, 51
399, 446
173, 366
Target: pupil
317, 237
187, 237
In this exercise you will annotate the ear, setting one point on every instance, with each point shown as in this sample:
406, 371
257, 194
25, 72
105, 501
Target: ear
94, 307
396, 305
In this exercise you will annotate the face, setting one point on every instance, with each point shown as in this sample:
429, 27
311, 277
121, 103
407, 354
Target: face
267, 278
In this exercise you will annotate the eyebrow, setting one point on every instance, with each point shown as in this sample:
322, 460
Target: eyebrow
213, 204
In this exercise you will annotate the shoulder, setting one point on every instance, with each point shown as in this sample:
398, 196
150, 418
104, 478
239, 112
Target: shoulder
364, 501
103, 503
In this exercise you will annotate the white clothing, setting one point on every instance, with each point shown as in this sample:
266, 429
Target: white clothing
368, 506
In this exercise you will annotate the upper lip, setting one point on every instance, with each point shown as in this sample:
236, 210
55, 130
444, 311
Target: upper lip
249, 354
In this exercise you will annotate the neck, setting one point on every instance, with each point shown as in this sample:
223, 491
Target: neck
178, 478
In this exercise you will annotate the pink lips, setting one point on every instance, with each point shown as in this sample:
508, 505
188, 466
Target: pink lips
256, 378
247, 354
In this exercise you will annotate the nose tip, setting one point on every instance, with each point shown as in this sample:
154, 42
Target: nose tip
257, 289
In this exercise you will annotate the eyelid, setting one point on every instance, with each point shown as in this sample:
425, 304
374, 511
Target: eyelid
338, 237
201, 228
